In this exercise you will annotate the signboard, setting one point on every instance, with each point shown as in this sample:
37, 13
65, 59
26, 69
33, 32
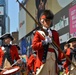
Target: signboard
72, 15
65, 22
1, 10
64, 37
22, 24
61, 24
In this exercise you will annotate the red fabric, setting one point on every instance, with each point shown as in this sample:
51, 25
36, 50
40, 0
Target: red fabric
13, 52
31, 63
37, 45
1, 56
43, 17
66, 63
66, 67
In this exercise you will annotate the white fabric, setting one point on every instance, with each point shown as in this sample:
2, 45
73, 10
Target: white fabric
6, 64
3, 48
50, 35
44, 28
42, 33
48, 40
50, 32
74, 61
50, 65
73, 69
10, 71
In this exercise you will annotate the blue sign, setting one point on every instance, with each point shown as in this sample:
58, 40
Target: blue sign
23, 46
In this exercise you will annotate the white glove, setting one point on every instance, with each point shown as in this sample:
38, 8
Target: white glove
48, 40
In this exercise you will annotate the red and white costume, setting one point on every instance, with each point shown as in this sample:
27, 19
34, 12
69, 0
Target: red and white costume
31, 63
50, 65
13, 54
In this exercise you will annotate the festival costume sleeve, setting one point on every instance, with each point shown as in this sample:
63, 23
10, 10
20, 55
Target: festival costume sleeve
30, 63
14, 53
37, 41
67, 53
38, 47
66, 63
1, 56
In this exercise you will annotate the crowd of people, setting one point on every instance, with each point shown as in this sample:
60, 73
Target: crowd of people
45, 57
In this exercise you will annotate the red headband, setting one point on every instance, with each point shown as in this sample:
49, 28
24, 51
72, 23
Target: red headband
43, 17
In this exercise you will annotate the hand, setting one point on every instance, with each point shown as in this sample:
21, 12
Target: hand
19, 61
48, 40
33, 73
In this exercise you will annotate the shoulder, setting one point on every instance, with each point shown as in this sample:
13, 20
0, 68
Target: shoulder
40, 32
55, 32
2, 49
14, 46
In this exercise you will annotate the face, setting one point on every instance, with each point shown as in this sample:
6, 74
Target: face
7, 41
73, 44
45, 22
66, 46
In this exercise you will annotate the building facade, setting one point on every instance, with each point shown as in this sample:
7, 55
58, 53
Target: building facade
4, 26
4, 19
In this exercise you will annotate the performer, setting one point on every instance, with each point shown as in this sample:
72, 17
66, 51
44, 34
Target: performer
8, 52
65, 66
71, 53
46, 54
31, 63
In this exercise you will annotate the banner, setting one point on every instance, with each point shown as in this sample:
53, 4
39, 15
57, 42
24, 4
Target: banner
72, 16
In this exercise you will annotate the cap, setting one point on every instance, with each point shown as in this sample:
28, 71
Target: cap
71, 40
6, 35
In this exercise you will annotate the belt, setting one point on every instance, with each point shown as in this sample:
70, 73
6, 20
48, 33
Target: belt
51, 50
